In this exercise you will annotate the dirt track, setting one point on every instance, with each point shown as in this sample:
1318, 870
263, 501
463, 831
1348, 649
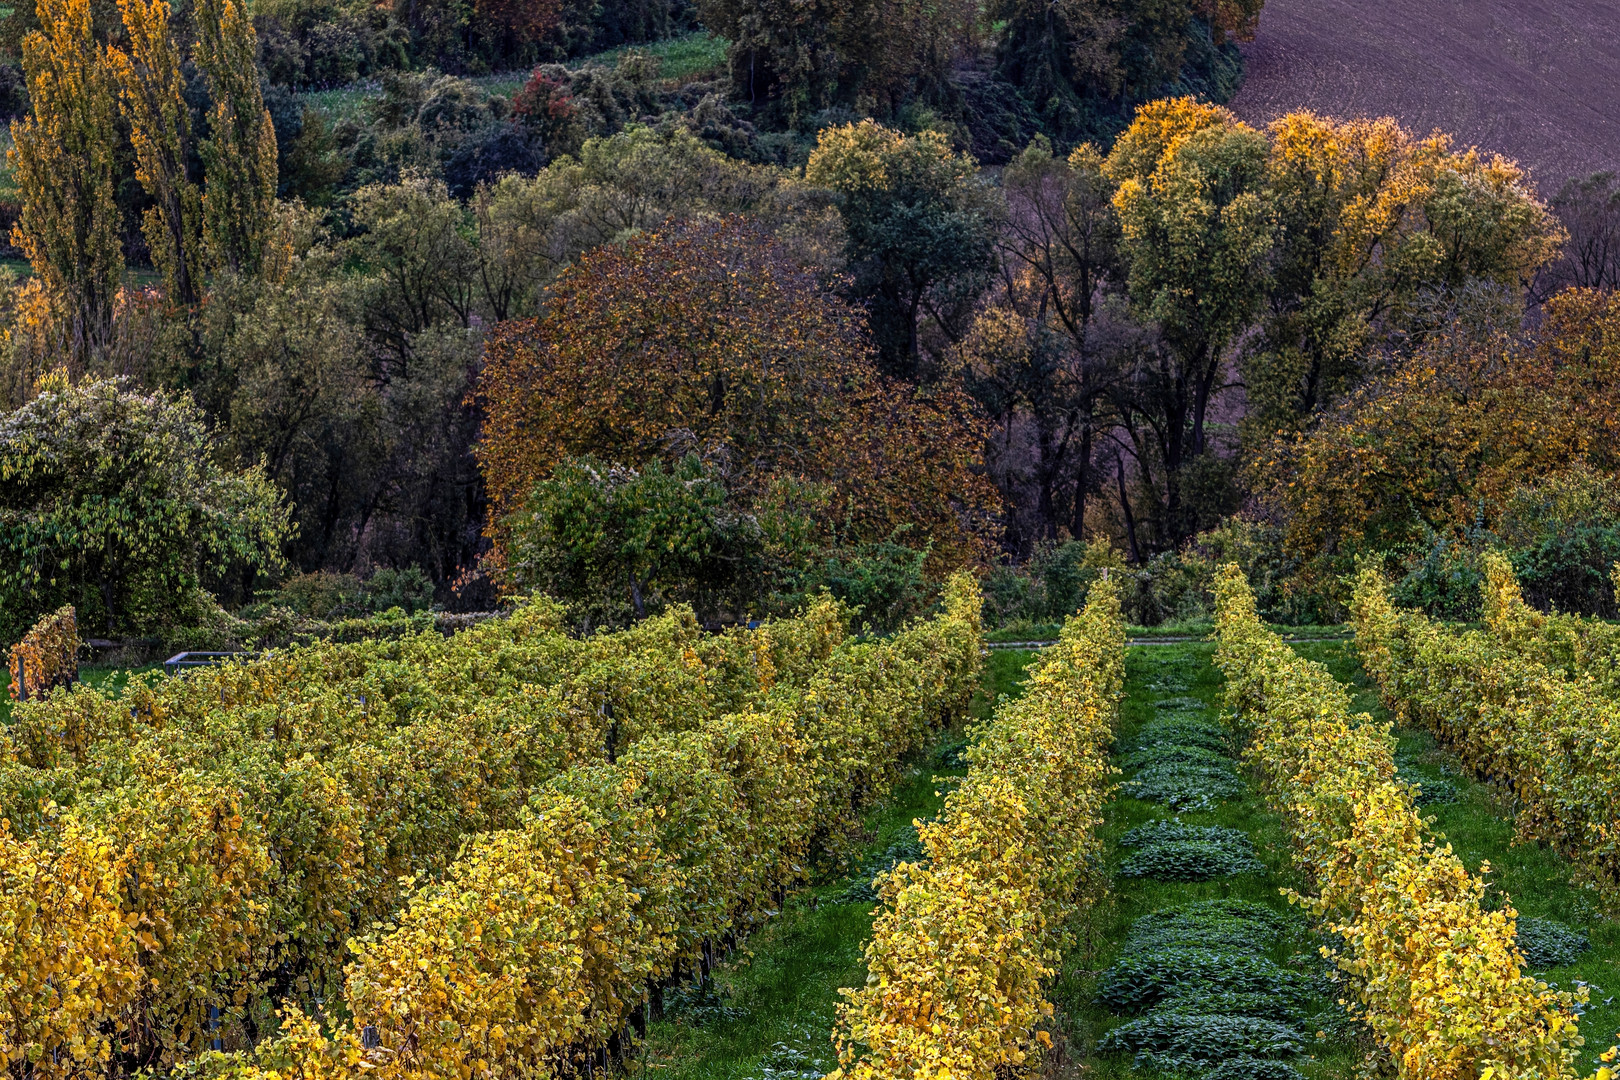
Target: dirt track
1536, 80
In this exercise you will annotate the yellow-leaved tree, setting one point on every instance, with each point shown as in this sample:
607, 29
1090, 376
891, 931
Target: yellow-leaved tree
63, 161
160, 128
239, 156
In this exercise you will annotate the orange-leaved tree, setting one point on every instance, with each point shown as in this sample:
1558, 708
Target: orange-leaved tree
1447, 437
707, 338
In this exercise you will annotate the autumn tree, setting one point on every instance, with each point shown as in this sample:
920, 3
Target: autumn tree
1376, 227
1040, 357
706, 338
1589, 209
63, 158
1197, 230
919, 233
153, 100
525, 20
239, 155
1445, 441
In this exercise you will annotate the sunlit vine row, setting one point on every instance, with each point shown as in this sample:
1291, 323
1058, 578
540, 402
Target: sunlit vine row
542, 941
1525, 702
1435, 977
205, 847
47, 656
1573, 644
963, 942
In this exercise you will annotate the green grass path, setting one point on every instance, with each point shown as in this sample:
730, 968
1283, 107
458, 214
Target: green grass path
1154, 674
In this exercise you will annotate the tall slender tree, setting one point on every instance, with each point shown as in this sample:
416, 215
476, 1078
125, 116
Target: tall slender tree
160, 128
63, 162
239, 155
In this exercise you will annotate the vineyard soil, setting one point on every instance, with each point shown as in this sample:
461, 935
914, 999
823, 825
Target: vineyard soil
1536, 82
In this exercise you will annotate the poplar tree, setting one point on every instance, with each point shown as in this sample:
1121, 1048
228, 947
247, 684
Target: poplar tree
160, 129
239, 156
63, 162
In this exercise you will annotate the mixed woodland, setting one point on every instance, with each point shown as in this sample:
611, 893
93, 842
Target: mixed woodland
319, 310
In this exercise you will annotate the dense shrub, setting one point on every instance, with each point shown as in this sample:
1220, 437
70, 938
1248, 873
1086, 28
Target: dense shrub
111, 500
1191, 853
1548, 943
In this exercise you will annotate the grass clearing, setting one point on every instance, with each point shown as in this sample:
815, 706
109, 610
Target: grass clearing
680, 59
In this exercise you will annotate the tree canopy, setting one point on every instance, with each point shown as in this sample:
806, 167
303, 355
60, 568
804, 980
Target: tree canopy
707, 339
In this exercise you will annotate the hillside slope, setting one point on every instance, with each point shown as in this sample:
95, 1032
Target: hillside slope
1537, 80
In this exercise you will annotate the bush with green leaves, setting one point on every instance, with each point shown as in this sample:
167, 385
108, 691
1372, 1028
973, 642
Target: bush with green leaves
1186, 785
883, 580
1171, 851
615, 543
1170, 1041
1138, 981
1213, 924
326, 595
112, 500
1548, 943
1183, 731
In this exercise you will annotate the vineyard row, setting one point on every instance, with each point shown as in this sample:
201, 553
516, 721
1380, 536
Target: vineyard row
481, 854
964, 941
1435, 977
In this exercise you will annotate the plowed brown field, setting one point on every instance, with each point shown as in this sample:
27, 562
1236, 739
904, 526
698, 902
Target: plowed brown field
1536, 80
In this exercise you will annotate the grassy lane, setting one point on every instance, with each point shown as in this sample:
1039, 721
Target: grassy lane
109, 679
770, 1012
1179, 684
1478, 822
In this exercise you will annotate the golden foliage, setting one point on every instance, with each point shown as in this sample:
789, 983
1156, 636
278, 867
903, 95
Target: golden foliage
543, 939
962, 943
246, 821
160, 129
63, 161
67, 955
1434, 975
47, 655
239, 156
1528, 701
